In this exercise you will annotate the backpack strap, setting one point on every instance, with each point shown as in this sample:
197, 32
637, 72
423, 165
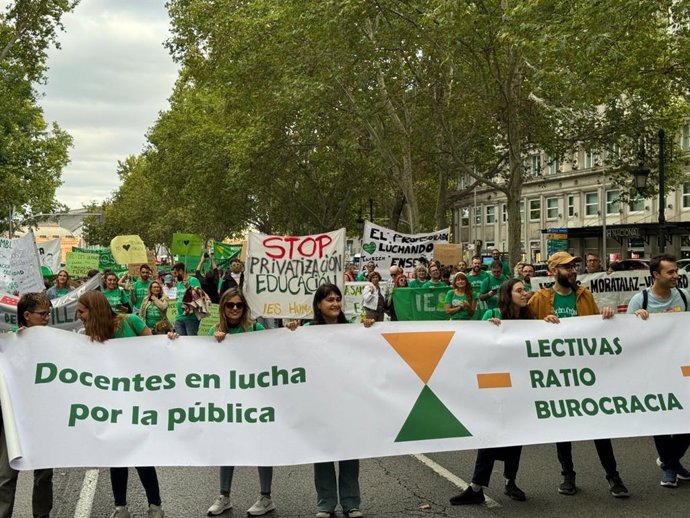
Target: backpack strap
645, 298
682, 296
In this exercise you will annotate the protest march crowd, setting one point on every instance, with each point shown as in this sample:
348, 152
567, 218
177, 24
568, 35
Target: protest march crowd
130, 306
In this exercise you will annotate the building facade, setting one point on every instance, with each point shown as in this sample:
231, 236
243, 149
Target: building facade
577, 196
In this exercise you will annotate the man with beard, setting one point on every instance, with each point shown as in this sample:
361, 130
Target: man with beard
505, 267
566, 299
527, 272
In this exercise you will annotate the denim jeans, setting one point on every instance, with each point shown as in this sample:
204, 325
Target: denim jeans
347, 485
187, 326
265, 479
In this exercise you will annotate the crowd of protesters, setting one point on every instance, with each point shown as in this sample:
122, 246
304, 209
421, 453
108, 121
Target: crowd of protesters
130, 307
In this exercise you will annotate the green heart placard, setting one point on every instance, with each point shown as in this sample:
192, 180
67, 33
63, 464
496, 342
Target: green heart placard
186, 244
369, 248
128, 249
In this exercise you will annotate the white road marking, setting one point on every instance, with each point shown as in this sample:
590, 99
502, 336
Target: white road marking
88, 491
450, 477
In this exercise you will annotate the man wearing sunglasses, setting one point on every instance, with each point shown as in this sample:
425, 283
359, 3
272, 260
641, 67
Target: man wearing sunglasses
563, 300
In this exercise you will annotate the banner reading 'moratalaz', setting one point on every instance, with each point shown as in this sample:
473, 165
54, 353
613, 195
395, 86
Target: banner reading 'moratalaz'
283, 272
281, 395
388, 248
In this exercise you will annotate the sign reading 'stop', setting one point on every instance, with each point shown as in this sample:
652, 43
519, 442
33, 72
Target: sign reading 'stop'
387, 248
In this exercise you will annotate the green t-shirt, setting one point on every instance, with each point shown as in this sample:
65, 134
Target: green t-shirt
237, 330
454, 300
415, 283
476, 281
133, 326
153, 315
491, 283
61, 292
116, 297
181, 288
564, 306
141, 289
436, 284
492, 313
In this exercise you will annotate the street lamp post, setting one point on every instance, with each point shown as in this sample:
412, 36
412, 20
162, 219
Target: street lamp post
641, 175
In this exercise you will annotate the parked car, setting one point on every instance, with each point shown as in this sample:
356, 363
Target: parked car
684, 264
630, 264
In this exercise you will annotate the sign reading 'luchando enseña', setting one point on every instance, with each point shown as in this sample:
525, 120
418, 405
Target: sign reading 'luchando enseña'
416, 387
387, 247
283, 272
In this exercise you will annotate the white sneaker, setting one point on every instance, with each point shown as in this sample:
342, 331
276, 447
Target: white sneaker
220, 505
121, 511
324, 514
155, 511
354, 513
262, 506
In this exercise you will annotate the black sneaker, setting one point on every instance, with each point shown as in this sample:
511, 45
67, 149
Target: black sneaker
617, 488
514, 492
468, 497
568, 487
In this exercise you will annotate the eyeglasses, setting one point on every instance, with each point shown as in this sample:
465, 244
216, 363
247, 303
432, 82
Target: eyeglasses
42, 314
234, 305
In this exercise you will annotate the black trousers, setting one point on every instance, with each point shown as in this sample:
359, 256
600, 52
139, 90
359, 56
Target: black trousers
671, 449
604, 450
148, 477
484, 465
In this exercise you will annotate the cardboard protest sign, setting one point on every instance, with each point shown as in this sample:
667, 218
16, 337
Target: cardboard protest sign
20, 266
283, 272
387, 248
79, 264
49, 253
187, 244
133, 268
448, 253
128, 249
106, 261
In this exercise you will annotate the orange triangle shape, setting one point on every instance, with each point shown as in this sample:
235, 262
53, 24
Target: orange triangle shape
421, 351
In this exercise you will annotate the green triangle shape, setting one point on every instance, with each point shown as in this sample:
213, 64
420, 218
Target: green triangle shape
430, 419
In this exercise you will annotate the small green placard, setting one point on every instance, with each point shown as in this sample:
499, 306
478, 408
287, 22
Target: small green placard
78, 263
186, 244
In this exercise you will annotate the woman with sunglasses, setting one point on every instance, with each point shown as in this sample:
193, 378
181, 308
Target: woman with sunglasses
328, 309
512, 305
33, 309
234, 318
400, 282
101, 323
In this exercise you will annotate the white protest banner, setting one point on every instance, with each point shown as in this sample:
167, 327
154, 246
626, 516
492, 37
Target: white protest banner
50, 254
20, 266
281, 395
62, 314
388, 248
283, 272
613, 289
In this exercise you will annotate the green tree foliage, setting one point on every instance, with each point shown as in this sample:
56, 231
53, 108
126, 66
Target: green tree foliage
32, 153
289, 116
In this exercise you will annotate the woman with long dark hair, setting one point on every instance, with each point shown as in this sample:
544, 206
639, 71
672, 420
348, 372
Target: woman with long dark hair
234, 318
512, 305
327, 308
101, 323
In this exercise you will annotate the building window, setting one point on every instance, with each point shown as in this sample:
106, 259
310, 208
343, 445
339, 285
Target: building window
465, 217
478, 215
491, 214
591, 159
686, 195
613, 202
535, 210
571, 206
504, 213
554, 166
551, 208
615, 154
636, 204
592, 204
535, 164
685, 138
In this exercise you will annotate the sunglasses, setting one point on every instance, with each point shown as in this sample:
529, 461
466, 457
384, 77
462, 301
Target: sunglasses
234, 305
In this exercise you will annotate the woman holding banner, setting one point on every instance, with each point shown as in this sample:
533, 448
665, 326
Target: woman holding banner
420, 277
154, 310
61, 286
101, 323
512, 305
400, 282
460, 305
328, 309
234, 318
33, 309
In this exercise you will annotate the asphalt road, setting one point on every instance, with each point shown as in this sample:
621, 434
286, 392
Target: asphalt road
395, 486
